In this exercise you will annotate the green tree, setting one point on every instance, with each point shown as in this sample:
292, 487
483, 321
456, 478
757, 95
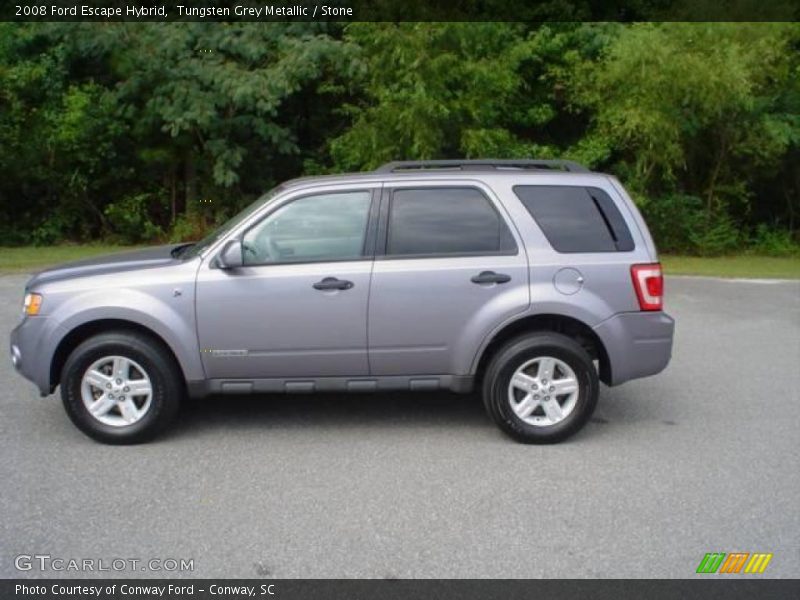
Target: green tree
431, 90
58, 139
701, 109
173, 113
140, 131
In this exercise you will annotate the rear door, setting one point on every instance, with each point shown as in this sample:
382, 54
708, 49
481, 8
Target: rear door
449, 266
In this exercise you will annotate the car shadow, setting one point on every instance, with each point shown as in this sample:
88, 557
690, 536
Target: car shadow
389, 410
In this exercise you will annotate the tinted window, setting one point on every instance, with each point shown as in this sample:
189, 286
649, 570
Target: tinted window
314, 228
576, 219
445, 221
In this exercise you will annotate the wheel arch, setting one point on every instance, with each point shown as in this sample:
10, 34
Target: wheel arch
84, 331
549, 322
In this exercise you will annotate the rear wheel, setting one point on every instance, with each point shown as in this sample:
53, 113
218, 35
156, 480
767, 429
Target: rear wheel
121, 387
541, 388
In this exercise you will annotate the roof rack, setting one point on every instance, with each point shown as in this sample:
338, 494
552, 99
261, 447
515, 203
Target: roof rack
482, 165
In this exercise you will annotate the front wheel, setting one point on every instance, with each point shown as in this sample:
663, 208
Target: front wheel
121, 387
541, 388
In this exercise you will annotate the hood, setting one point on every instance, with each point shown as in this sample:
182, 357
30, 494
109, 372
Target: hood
109, 263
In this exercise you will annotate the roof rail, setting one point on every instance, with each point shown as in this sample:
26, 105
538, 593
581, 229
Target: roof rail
482, 165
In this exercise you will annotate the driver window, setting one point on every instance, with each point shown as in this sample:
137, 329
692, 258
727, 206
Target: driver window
323, 227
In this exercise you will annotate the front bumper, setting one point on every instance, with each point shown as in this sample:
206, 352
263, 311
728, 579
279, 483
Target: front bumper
26, 352
638, 344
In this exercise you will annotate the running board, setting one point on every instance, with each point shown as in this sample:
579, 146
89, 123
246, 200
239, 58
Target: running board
308, 385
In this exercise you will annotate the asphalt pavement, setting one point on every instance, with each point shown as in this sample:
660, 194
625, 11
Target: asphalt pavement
702, 458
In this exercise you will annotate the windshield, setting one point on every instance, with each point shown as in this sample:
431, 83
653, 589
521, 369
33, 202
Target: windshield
192, 250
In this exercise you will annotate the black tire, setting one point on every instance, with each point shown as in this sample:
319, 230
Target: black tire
165, 378
513, 355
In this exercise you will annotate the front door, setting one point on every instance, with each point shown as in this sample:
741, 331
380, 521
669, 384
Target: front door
298, 305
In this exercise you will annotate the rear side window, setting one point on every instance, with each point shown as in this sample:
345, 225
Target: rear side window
576, 219
445, 221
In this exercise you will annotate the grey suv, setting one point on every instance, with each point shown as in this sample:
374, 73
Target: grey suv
528, 280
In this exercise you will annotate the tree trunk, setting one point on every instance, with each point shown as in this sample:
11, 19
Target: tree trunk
189, 183
712, 184
173, 199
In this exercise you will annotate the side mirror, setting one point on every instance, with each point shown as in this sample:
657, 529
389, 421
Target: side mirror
231, 255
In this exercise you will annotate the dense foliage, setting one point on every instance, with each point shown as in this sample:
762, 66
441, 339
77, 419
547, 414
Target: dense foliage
140, 132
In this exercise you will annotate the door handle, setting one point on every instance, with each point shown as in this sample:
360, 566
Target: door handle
331, 283
490, 277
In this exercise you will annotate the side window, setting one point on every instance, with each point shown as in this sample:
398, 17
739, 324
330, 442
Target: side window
323, 227
445, 221
576, 219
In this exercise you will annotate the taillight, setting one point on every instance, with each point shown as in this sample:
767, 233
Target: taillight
648, 282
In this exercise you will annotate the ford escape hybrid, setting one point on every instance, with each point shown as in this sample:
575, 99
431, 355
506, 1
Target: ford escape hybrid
529, 281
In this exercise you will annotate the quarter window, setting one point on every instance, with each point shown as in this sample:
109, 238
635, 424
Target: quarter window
445, 221
576, 219
322, 227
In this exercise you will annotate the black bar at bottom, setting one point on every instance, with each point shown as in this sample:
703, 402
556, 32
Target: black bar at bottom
730, 588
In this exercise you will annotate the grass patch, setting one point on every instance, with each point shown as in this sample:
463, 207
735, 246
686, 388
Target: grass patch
746, 266
27, 259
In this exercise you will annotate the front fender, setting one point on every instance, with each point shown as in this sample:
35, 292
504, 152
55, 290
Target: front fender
171, 318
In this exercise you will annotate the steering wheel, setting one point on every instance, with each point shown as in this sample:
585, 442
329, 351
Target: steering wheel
273, 250
250, 249
262, 249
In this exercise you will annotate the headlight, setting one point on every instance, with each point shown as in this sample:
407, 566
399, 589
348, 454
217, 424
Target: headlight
32, 304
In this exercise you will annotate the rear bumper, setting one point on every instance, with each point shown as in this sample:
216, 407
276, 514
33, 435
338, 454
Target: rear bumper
638, 344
